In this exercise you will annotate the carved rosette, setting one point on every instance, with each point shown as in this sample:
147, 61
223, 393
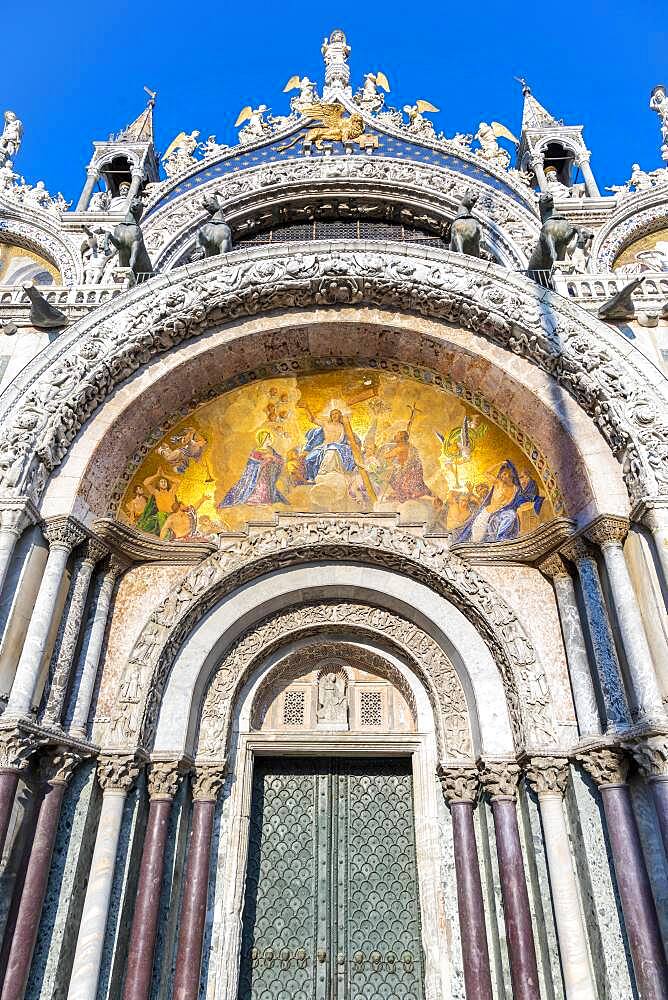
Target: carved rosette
651, 756
607, 766
499, 778
207, 781
15, 750
58, 765
164, 778
117, 774
608, 531
63, 533
548, 775
459, 783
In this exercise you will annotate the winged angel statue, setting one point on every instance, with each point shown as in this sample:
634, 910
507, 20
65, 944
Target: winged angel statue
179, 153
334, 126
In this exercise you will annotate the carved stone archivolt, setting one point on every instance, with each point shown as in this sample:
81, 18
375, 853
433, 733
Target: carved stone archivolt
47, 404
329, 538
638, 215
20, 227
414, 646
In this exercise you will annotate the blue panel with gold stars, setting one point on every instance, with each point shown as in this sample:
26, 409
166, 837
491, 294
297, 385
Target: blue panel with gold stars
388, 145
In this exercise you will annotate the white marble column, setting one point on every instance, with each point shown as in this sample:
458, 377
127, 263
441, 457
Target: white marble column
115, 775
600, 633
609, 533
92, 177
87, 668
654, 514
15, 516
538, 166
70, 629
582, 684
548, 777
63, 535
591, 187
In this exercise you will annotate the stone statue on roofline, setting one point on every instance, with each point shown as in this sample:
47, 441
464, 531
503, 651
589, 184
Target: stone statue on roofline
658, 101
10, 140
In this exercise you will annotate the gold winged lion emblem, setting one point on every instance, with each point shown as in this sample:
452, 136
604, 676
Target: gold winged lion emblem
333, 127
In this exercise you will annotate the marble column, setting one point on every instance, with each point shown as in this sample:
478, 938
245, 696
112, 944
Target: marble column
15, 749
15, 516
609, 533
69, 631
609, 768
86, 674
63, 535
591, 187
460, 790
92, 177
538, 166
654, 514
137, 178
548, 777
207, 782
115, 775
651, 756
163, 782
58, 767
499, 779
582, 684
600, 633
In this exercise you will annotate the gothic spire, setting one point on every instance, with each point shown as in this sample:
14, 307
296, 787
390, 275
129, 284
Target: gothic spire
534, 115
141, 129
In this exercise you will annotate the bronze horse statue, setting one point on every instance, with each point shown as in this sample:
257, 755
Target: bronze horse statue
465, 231
214, 236
556, 235
128, 239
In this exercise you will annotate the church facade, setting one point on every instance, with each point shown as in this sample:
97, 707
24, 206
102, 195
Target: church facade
334, 561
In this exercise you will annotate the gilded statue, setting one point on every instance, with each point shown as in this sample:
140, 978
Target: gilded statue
334, 126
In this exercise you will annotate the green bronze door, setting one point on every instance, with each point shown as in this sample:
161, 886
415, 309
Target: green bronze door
331, 908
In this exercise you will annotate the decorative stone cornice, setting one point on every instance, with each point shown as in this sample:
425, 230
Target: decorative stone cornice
608, 530
164, 778
15, 749
547, 775
43, 409
58, 765
207, 781
651, 756
460, 783
117, 774
63, 533
499, 778
608, 766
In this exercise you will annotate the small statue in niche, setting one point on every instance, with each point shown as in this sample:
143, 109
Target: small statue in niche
466, 231
332, 701
214, 236
128, 239
556, 235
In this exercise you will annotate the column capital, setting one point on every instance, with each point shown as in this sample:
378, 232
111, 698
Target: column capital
58, 765
651, 756
652, 512
553, 566
583, 157
63, 533
207, 781
577, 548
608, 530
118, 564
547, 775
15, 749
460, 783
117, 773
608, 766
499, 778
16, 514
94, 551
164, 777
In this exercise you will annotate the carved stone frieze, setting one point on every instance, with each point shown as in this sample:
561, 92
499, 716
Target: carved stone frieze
548, 775
499, 778
651, 756
460, 783
427, 560
43, 409
207, 781
117, 773
15, 749
164, 778
607, 766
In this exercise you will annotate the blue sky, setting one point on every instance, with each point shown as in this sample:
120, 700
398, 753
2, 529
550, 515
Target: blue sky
74, 71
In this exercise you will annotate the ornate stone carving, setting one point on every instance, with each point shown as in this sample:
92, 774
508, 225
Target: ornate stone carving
460, 783
553, 566
63, 533
117, 773
607, 766
548, 775
651, 756
16, 515
608, 530
207, 781
576, 549
58, 765
432, 665
164, 777
499, 778
620, 392
15, 749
